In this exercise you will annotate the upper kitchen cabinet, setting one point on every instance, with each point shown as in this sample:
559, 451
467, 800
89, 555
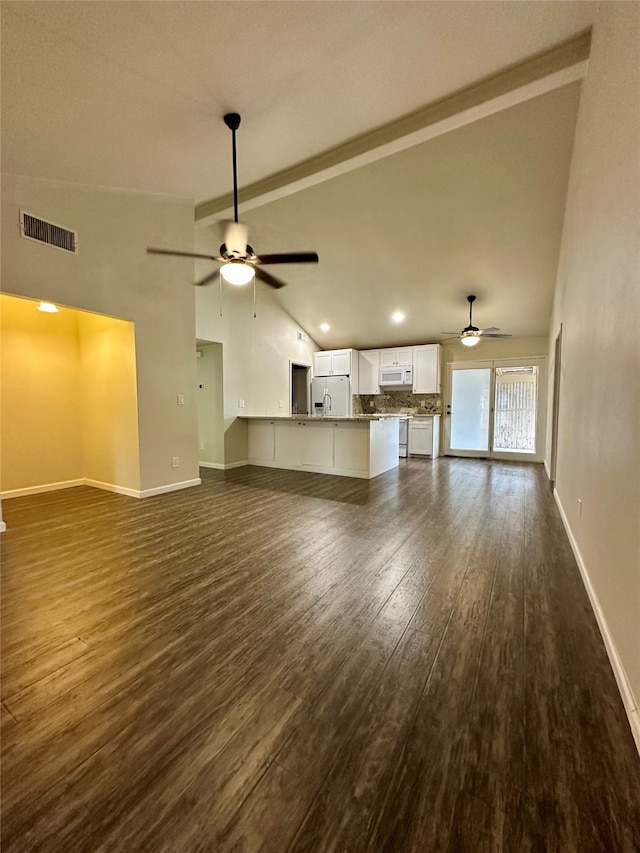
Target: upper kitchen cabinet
369, 361
396, 355
337, 362
426, 369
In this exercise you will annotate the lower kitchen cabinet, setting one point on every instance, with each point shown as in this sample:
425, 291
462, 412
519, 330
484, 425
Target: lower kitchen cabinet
424, 436
363, 448
262, 439
351, 447
288, 444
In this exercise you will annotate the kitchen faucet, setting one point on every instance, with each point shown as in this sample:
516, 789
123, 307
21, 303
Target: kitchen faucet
326, 409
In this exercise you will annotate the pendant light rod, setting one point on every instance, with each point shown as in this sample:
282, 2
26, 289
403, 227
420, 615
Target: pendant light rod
471, 299
232, 120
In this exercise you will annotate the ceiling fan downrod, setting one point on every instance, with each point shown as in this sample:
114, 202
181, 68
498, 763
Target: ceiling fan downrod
232, 120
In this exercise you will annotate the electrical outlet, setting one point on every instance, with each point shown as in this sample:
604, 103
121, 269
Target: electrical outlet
202, 445
241, 404
281, 404
175, 461
181, 399
372, 405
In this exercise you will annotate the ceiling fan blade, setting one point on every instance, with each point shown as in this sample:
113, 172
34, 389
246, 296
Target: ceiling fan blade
235, 238
457, 334
490, 329
177, 254
288, 258
268, 278
492, 335
207, 279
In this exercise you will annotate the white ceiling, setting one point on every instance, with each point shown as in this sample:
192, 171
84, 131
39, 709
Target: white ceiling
131, 94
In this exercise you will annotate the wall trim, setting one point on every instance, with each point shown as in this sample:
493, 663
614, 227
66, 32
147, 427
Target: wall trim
111, 487
96, 484
46, 487
170, 487
222, 466
628, 699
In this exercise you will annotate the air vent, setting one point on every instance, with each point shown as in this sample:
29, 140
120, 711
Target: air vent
46, 232
301, 336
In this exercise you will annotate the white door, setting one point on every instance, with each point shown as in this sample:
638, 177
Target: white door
496, 409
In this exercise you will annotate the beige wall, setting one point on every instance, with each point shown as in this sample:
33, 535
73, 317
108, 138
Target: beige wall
113, 275
40, 406
68, 409
598, 304
109, 401
489, 350
256, 351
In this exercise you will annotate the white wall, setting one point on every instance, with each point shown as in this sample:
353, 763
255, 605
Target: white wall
113, 275
598, 303
255, 351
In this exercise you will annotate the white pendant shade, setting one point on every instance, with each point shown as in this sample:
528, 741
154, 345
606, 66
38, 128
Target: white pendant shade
470, 339
237, 272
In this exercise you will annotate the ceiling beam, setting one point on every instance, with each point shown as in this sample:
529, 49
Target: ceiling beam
542, 73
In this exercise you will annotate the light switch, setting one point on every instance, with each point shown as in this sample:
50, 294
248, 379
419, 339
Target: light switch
181, 399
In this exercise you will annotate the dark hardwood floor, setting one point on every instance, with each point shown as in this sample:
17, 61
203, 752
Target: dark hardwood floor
283, 661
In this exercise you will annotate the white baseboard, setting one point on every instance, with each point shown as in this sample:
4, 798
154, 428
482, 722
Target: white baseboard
221, 466
171, 487
628, 699
37, 490
96, 484
110, 487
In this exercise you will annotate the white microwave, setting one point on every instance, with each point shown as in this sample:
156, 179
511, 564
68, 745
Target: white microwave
398, 376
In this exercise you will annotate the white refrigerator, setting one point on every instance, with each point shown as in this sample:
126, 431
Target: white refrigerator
331, 396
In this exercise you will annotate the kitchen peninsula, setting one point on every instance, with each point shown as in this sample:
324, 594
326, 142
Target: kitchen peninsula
363, 446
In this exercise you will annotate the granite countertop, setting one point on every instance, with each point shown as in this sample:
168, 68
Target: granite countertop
320, 418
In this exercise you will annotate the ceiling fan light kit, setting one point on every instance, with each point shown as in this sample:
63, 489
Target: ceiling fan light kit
470, 339
237, 272
240, 265
471, 335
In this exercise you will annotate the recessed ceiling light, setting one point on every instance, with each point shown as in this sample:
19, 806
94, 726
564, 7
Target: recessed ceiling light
48, 308
325, 327
397, 316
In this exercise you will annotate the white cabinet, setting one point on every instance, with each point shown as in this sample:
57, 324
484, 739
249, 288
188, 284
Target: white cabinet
396, 355
424, 436
288, 444
426, 369
351, 447
317, 446
262, 441
369, 362
337, 362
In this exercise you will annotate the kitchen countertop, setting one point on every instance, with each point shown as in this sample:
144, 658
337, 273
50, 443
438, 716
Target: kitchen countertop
320, 418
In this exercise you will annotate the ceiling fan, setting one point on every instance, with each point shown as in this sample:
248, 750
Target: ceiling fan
240, 264
472, 335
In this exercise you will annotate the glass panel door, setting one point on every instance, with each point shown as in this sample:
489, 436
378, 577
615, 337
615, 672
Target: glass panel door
469, 414
496, 409
514, 416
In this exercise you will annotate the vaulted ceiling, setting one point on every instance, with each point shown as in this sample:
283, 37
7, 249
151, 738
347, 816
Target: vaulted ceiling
414, 145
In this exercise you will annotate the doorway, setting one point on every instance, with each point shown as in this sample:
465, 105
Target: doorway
299, 388
210, 404
496, 409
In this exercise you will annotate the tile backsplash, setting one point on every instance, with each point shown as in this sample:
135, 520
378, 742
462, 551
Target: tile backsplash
397, 402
